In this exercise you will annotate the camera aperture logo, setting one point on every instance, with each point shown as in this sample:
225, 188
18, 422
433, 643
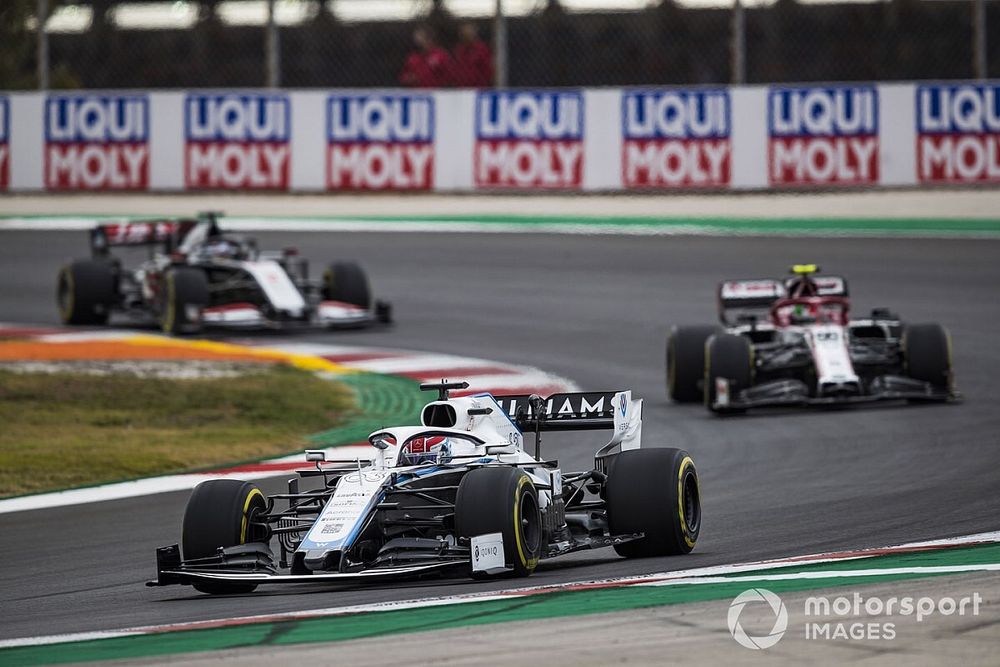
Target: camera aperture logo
780, 618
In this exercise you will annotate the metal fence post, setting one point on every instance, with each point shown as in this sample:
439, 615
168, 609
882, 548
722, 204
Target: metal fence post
272, 47
500, 45
979, 66
42, 55
737, 44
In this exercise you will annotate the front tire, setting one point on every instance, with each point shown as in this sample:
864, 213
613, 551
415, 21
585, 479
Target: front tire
185, 295
730, 357
86, 292
927, 354
219, 514
346, 282
502, 499
655, 492
686, 362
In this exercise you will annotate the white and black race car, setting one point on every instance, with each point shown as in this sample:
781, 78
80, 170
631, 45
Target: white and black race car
456, 494
792, 342
196, 276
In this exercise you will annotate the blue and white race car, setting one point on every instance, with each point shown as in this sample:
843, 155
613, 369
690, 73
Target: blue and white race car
459, 492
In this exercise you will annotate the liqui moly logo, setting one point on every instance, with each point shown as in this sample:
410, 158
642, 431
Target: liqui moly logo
97, 142
958, 133
529, 140
675, 139
237, 141
380, 142
823, 136
4, 143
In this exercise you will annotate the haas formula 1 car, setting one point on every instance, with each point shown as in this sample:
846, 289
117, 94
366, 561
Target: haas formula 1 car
792, 342
196, 276
457, 494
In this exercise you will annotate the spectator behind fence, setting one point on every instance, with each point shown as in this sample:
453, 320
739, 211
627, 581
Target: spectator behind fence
473, 59
429, 66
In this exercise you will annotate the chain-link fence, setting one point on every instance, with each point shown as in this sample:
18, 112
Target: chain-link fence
367, 43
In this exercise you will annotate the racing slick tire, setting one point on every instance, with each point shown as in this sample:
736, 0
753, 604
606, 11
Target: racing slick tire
502, 499
927, 354
218, 514
347, 282
655, 492
727, 356
686, 362
86, 292
185, 294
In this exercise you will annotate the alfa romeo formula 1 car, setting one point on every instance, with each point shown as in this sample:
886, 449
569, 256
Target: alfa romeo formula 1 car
792, 342
457, 493
197, 276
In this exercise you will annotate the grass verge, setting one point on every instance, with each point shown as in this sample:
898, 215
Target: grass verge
64, 429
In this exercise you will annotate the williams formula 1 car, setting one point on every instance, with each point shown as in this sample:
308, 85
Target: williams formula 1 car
197, 276
458, 494
792, 342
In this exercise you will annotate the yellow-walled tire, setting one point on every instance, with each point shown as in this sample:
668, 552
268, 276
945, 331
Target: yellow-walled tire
502, 499
654, 492
85, 292
219, 514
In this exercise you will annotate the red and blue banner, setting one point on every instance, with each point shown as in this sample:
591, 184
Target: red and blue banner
528, 139
4, 143
96, 142
237, 141
823, 136
958, 133
380, 142
676, 139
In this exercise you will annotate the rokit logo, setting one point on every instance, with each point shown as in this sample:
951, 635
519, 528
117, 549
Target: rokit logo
237, 142
958, 133
823, 136
97, 142
676, 139
380, 142
529, 140
4, 143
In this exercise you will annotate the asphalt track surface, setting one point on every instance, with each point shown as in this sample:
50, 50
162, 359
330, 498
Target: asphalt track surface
594, 309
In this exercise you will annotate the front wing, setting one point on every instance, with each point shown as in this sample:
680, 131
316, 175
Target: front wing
796, 393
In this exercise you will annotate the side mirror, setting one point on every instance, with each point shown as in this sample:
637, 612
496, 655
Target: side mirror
317, 455
501, 449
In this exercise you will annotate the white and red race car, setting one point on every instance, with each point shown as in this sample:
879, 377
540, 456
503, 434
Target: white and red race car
793, 342
196, 276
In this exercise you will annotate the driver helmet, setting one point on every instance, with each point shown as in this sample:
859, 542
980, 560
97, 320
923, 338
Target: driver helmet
425, 449
223, 248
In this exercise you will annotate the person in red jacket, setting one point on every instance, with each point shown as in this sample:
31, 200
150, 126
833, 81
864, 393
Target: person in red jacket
429, 66
473, 59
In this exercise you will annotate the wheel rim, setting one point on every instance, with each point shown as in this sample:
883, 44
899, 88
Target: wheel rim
691, 501
65, 296
530, 529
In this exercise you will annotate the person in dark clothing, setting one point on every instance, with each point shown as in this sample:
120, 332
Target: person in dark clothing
473, 59
429, 66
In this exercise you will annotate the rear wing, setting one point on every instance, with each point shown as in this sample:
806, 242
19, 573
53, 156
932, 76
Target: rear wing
747, 298
580, 411
109, 235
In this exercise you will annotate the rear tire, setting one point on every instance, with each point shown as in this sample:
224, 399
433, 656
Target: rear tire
346, 282
686, 362
86, 292
655, 492
927, 354
185, 295
727, 356
502, 499
218, 514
